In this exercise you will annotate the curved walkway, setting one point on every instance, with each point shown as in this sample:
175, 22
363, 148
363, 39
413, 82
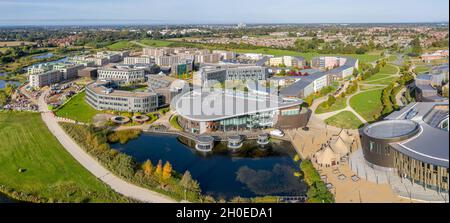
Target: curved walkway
327, 115
119, 185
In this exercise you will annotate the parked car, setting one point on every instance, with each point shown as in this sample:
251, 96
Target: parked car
277, 132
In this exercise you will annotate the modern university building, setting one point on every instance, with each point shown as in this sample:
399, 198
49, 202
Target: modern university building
203, 112
102, 96
413, 143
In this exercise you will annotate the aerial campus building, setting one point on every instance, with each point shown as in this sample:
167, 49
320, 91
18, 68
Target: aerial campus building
430, 84
121, 75
222, 73
340, 67
335, 66
412, 142
102, 96
47, 74
223, 110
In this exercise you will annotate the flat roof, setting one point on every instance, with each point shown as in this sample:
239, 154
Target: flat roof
431, 144
223, 104
390, 129
101, 89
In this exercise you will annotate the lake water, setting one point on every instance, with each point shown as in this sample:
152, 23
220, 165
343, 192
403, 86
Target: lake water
3, 83
43, 56
6, 199
251, 171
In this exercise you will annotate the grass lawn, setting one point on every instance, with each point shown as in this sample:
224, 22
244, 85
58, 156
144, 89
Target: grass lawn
392, 58
156, 43
377, 76
389, 69
345, 120
122, 45
367, 104
77, 109
276, 52
174, 123
50, 172
338, 105
385, 81
368, 87
421, 69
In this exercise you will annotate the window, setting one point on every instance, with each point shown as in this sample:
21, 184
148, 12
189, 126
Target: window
371, 146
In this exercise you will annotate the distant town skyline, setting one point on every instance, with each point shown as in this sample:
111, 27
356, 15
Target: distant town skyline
71, 12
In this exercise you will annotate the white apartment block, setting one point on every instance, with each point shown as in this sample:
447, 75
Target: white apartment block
137, 60
68, 71
207, 58
46, 78
122, 76
226, 55
287, 61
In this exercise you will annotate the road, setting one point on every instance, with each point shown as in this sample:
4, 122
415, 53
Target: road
88, 162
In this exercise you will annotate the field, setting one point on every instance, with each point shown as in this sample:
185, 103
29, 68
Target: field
376, 77
276, 52
367, 104
14, 43
77, 109
421, 69
389, 69
345, 120
156, 43
48, 172
383, 81
122, 45
338, 105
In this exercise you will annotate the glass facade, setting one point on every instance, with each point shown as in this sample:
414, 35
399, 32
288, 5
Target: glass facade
254, 121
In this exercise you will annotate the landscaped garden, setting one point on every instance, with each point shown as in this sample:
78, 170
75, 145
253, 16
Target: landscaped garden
345, 120
367, 104
324, 107
36, 168
77, 109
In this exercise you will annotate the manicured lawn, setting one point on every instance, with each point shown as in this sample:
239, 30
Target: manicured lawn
338, 105
78, 109
345, 120
48, 171
385, 81
366, 87
377, 76
421, 69
389, 69
392, 58
367, 104
174, 123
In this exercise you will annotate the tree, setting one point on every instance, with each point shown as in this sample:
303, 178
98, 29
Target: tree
416, 48
331, 100
167, 171
3, 98
147, 167
158, 171
188, 183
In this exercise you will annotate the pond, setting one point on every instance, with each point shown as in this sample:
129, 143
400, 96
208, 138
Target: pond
249, 172
43, 56
5, 199
50, 62
4, 83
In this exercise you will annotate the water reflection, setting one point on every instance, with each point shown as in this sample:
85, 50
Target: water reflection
247, 172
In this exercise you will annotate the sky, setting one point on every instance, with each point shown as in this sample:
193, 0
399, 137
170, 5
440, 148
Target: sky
221, 11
